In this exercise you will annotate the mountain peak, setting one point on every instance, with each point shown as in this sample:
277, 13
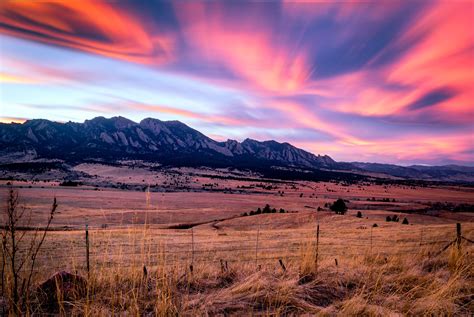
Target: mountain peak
176, 144
152, 139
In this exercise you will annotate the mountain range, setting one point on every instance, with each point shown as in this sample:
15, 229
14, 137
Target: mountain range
175, 144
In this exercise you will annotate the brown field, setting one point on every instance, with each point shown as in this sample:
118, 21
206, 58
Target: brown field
353, 269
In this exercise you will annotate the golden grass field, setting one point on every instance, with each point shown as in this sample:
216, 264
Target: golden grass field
354, 269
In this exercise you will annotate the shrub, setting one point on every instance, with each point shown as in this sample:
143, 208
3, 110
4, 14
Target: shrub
388, 219
69, 183
24, 253
375, 225
405, 221
266, 209
359, 214
339, 207
282, 211
395, 218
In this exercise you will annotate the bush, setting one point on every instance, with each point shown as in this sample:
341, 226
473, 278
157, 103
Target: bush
339, 207
395, 218
405, 221
359, 214
388, 219
375, 225
266, 209
15, 282
69, 183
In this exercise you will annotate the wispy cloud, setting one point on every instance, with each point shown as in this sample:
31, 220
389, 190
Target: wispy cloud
92, 26
388, 81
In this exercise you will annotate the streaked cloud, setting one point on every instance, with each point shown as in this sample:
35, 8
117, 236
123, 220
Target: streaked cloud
92, 26
378, 81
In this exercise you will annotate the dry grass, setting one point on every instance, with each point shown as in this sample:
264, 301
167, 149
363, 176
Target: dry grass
378, 284
359, 270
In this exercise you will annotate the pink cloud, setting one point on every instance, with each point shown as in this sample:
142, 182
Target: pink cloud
247, 49
121, 35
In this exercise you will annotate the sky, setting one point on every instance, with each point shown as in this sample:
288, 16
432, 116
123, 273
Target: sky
372, 81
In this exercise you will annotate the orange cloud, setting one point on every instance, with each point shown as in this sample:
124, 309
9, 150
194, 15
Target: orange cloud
12, 120
117, 33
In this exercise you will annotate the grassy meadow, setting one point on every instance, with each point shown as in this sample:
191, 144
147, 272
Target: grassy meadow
194, 254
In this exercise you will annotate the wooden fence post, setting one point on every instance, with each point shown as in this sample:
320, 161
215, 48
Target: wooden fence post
371, 228
87, 249
256, 247
191, 267
282, 265
317, 246
458, 236
421, 237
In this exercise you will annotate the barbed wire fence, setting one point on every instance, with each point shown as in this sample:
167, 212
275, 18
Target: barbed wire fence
253, 244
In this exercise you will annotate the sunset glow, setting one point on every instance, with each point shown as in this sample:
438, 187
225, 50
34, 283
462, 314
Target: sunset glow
381, 81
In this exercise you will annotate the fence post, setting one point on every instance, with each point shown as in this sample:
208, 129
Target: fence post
317, 239
282, 265
191, 267
256, 247
371, 228
87, 249
458, 236
317, 246
421, 237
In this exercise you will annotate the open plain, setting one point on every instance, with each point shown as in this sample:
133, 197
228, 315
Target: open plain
192, 244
